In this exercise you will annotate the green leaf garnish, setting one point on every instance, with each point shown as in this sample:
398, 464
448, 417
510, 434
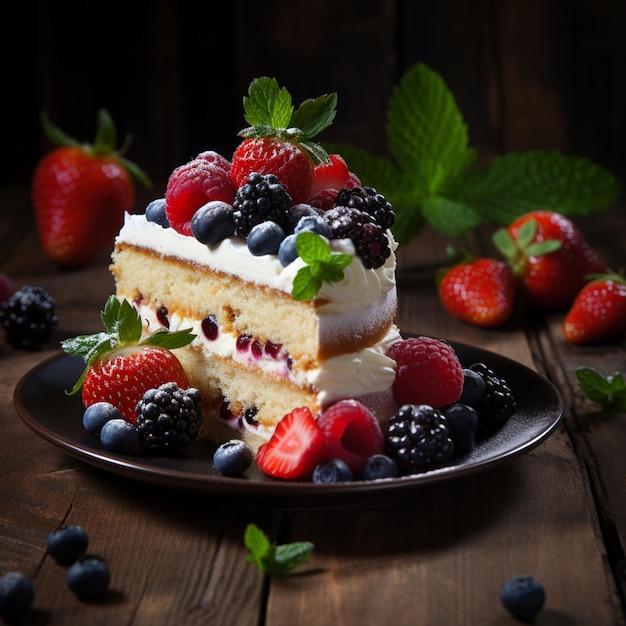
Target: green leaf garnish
122, 327
269, 110
607, 391
322, 266
271, 559
432, 177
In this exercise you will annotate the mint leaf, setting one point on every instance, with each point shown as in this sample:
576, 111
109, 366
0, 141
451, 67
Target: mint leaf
517, 183
271, 559
449, 217
608, 391
267, 104
322, 265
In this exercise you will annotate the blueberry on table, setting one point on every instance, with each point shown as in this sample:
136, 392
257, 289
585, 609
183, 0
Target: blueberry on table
88, 578
232, 458
16, 596
523, 597
67, 544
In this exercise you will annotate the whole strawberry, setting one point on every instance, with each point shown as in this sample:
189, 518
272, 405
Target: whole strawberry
80, 193
278, 140
119, 366
598, 313
481, 292
549, 256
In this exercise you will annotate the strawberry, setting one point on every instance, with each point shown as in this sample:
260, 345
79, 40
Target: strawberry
192, 185
481, 292
279, 139
119, 366
549, 256
295, 448
352, 434
598, 313
428, 371
332, 175
80, 193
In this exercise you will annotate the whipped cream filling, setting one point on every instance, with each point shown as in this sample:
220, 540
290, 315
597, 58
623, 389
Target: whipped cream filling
348, 375
359, 288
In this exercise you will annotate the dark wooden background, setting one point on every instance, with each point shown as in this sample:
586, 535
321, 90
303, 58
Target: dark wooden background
526, 73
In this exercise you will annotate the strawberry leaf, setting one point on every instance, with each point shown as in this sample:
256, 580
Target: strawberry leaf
313, 116
274, 560
608, 391
267, 104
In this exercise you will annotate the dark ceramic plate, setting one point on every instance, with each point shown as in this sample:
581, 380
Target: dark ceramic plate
42, 403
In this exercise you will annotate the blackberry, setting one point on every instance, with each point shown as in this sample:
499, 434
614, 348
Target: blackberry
368, 200
28, 317
168, 417
368, 237
497, 403
418, 438
262, 199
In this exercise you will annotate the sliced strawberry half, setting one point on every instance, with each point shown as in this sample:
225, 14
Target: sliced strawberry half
294, 449
352, 433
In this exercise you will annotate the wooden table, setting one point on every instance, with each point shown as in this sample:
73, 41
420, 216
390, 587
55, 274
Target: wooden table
435, 555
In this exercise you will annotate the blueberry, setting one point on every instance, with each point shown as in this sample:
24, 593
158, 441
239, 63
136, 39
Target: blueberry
98, 414
232, 458
297, 212
88, 578
67, 544
523, 597
332, 471
118, 435
213, 222
314, 223
287, 252
473, 387
265, 238
155, 212
462, 424
16, 596
379, 466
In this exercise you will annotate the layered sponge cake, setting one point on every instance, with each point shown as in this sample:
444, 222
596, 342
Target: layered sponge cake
292, 301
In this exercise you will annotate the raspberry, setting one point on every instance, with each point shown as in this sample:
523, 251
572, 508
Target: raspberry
369, 238
191, 186
367, 199
168, 417
428, 372
352, 433
28, 317
418, 438
263, 198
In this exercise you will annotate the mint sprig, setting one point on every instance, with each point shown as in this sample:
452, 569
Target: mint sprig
122, 327
271, 559
322, 266
607, 391
269, 110
432, 177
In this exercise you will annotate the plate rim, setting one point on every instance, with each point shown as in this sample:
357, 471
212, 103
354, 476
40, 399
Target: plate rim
275, 492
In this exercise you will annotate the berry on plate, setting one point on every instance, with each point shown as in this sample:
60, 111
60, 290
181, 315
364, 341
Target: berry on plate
598, 313
232, 458
332, 471
352, 433
119, 366
279, 139
481, 292
80, 193
119, 435
549, 256
428, 371
296, 447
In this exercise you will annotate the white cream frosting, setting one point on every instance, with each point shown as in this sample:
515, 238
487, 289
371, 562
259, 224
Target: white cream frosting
359, 288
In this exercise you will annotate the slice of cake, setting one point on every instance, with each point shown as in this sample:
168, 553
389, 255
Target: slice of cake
292, 304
